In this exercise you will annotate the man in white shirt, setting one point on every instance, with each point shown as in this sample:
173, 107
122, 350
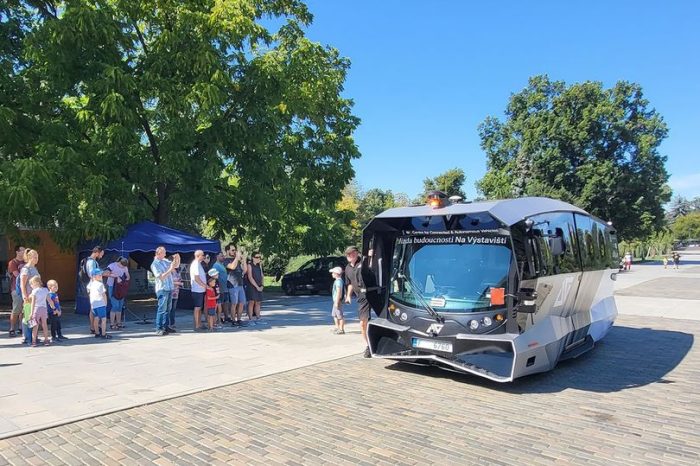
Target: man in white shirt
198, 284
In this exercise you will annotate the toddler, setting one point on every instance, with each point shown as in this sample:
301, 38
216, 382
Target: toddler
40, 314
54, 311
211, 299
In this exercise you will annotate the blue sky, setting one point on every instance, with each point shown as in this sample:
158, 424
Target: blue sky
426, 73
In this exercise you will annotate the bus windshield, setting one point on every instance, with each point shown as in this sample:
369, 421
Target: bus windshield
455, 277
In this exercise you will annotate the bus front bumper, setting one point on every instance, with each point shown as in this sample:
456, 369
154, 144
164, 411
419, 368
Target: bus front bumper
490, 356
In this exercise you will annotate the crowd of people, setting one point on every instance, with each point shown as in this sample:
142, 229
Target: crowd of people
222, 291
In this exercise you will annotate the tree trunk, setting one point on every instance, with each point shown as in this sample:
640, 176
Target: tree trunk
161, 214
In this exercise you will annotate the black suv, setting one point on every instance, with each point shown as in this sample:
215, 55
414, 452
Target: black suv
312, 277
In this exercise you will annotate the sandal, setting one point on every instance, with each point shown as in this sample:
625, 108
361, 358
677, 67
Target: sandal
12, 333
47, 342
106, 337
33, 344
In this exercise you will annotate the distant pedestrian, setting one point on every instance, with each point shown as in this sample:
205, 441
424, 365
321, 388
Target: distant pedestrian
119, 276
337, 294
255, 287
163, 271
92, 268
177, 284
676, 260
198, 286
24, 289
211, 299
55, 311
223, 287
236, 266
29, 270
13, 269
98, 301
665, 261
356, 286
40, 314
628, 260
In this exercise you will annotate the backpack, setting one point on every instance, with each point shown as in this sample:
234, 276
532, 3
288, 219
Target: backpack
83, 273
18, 285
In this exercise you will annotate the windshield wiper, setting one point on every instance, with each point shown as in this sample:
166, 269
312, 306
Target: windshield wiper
416, 292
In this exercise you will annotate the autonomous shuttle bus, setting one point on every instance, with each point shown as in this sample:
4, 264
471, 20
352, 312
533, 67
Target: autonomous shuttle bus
499, 289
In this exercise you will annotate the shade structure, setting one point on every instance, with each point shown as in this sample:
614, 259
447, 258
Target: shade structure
147, 236
139, 243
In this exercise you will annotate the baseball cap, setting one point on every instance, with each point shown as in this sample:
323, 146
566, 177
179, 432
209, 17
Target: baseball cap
213, 272
337, 270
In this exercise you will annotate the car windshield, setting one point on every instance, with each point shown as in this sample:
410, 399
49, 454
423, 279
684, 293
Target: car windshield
452, 277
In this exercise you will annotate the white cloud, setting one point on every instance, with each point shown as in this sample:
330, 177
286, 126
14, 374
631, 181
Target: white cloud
685, 185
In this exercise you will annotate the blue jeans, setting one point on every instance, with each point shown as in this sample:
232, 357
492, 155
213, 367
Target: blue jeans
117, 304
165, 304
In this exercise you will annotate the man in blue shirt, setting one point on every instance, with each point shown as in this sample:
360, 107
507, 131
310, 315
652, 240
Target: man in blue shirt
92, 268
162, 270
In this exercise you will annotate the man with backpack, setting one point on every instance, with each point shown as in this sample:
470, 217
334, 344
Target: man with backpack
13, 269
88, 268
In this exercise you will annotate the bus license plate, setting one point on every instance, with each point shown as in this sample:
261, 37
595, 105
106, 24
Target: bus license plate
435, 345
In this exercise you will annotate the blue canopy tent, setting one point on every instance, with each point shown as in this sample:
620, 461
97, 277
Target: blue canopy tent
139, 243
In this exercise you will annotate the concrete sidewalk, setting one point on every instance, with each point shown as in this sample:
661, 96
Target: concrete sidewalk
85, 376
652, 291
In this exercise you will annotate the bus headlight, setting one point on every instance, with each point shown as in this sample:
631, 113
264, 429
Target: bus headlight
474, 324
487, 321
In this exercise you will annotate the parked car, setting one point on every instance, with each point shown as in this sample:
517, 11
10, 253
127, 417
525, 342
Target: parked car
312, 277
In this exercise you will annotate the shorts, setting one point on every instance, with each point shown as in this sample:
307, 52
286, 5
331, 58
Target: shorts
237, 295
197, 299
100, 312
17, 302
225, 296
363, 309
337, 313
40, 312
211, 311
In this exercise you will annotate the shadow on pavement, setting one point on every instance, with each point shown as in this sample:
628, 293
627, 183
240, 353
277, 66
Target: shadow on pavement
627, 358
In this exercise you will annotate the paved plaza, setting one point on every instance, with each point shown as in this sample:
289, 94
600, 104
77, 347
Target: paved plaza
633, 400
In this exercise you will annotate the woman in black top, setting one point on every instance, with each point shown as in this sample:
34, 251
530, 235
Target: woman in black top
254, 277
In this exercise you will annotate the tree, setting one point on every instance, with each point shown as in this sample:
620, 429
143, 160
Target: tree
681, 206
187, 113
594, 147
687, 226
449, 182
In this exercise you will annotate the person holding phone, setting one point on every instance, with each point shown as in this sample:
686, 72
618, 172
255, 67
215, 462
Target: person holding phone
236, 266
162, 270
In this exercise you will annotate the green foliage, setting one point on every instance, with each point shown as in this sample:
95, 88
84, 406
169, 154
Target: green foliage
594, 147
681, 206
359, 207
687, 226
655, 245
450, 183
187, 113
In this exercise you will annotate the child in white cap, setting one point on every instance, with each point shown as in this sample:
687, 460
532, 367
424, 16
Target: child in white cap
337, 293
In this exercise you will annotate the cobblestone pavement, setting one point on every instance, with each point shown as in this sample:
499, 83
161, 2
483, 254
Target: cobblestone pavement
633, 400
